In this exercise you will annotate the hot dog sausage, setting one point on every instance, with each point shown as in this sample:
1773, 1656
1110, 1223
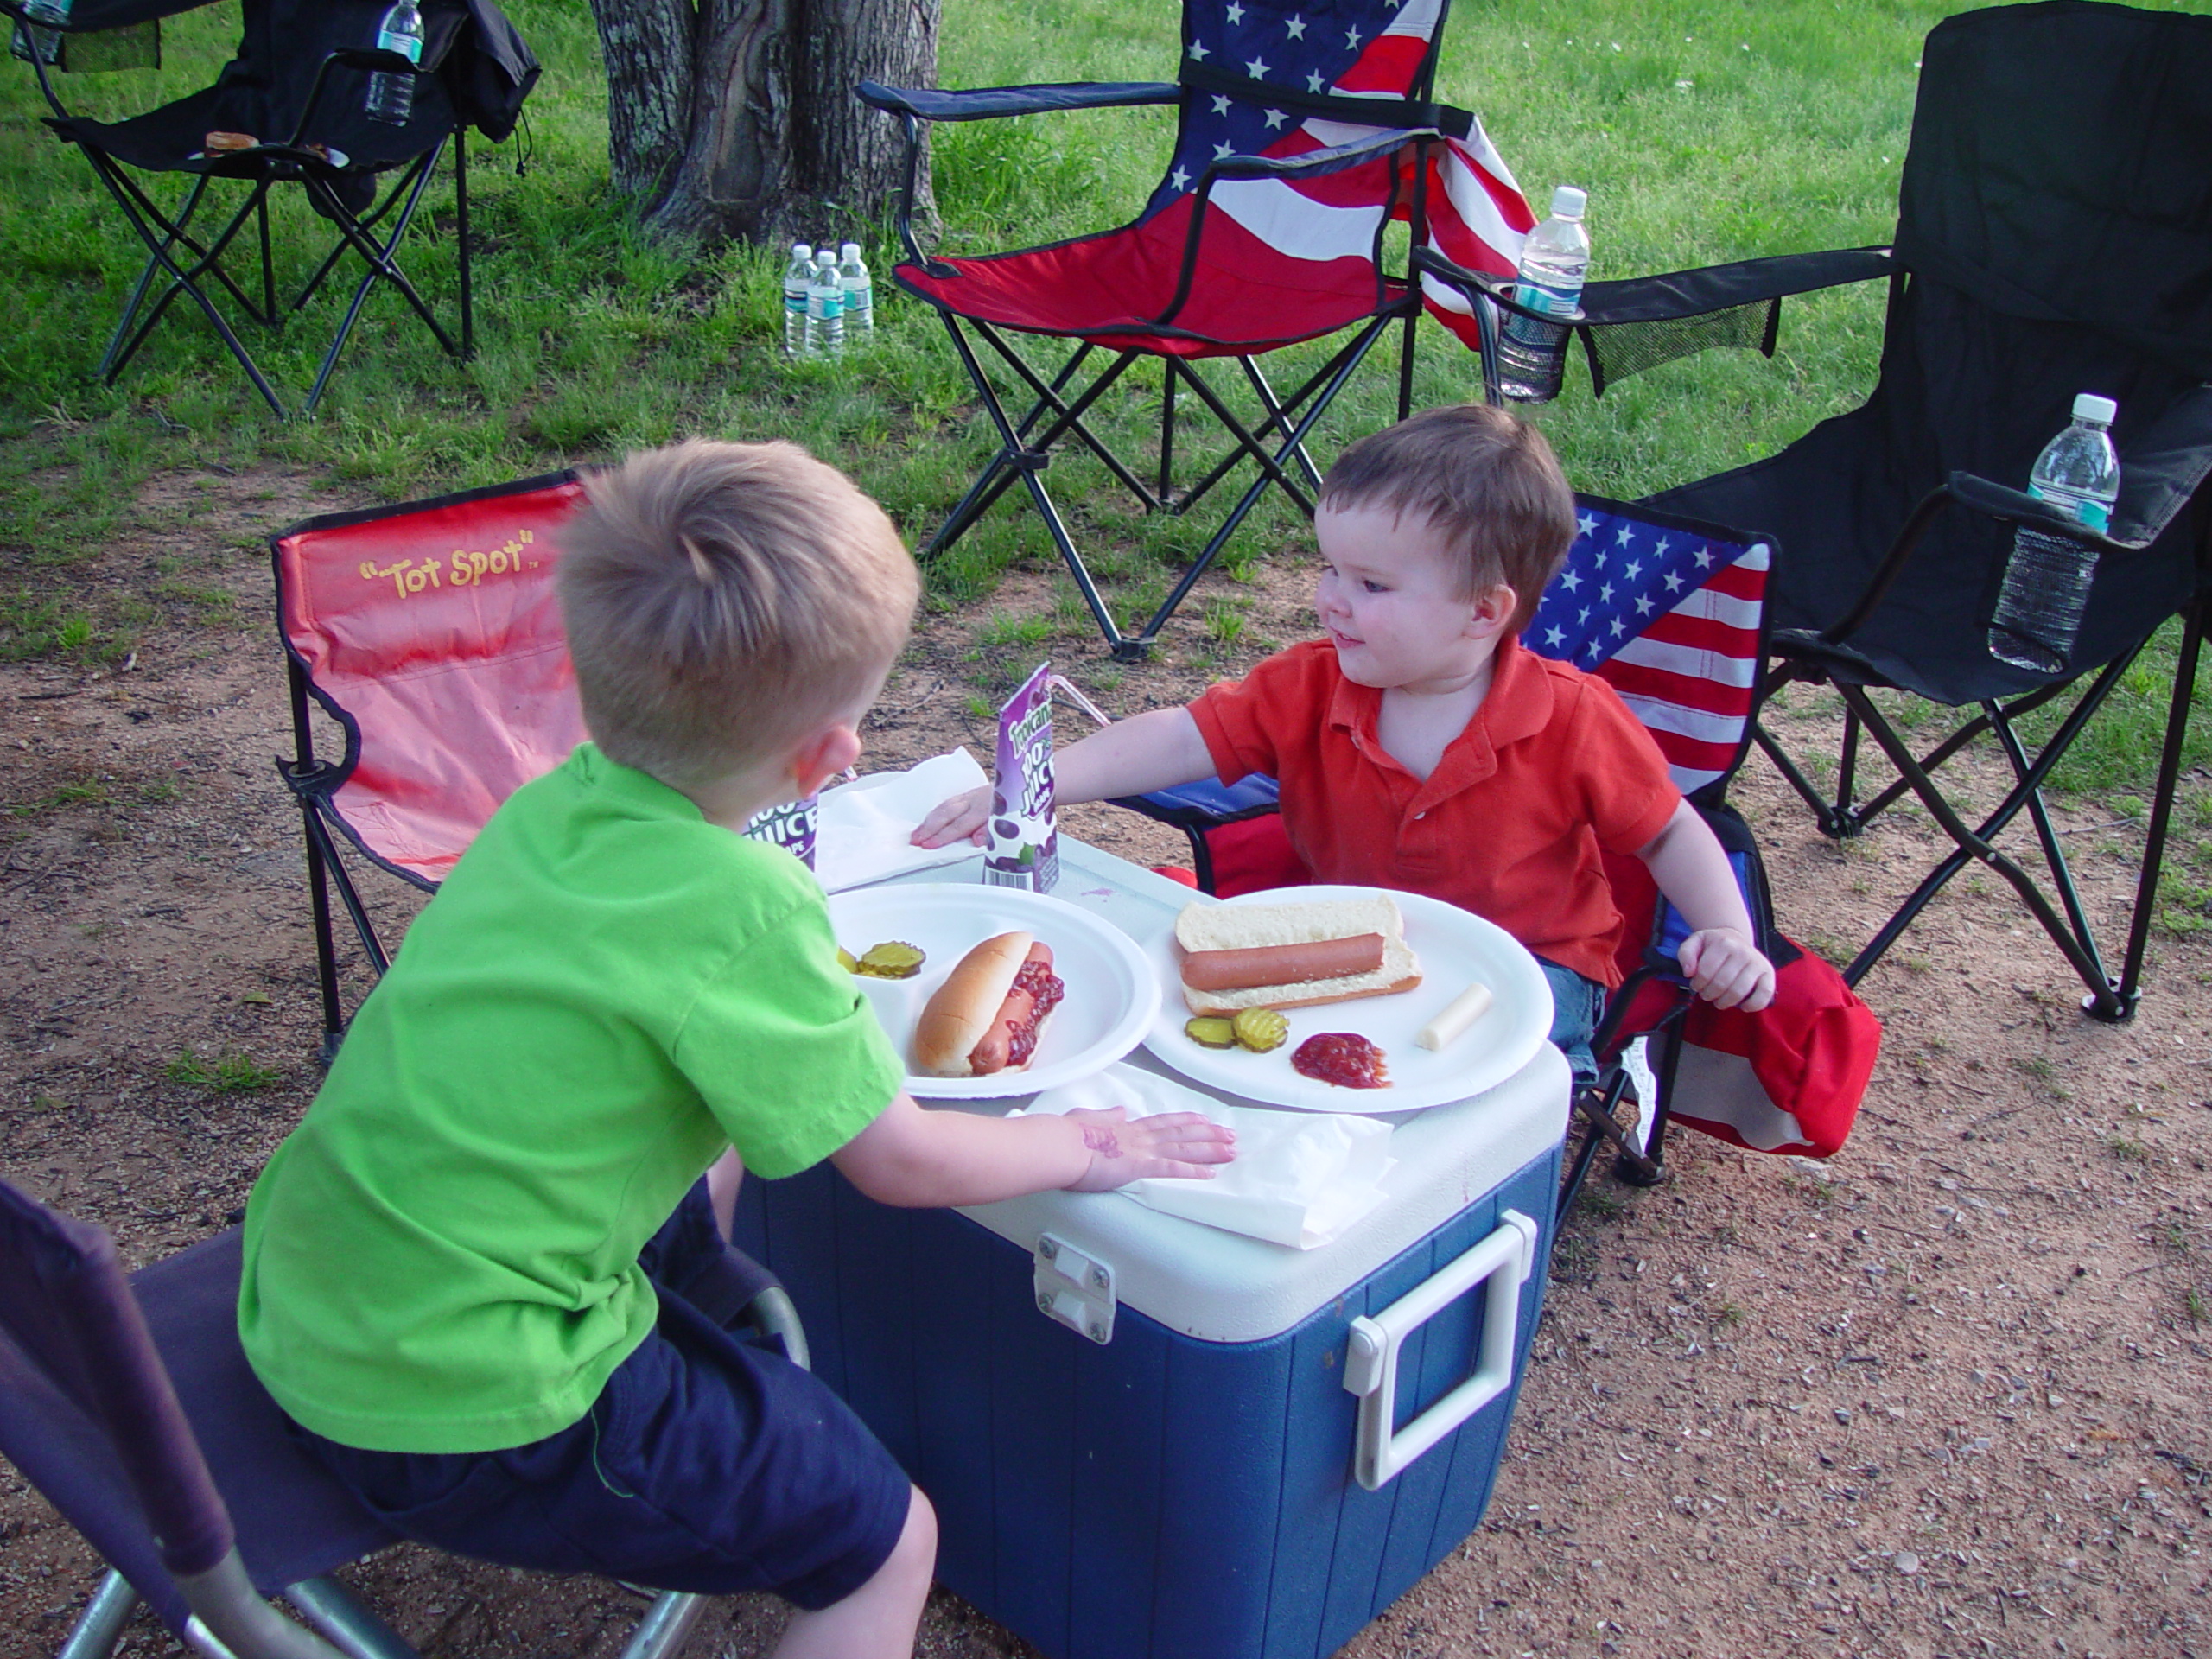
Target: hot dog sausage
1282, 964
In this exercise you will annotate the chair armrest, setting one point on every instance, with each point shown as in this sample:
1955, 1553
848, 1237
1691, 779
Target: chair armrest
988, 102
1314, 163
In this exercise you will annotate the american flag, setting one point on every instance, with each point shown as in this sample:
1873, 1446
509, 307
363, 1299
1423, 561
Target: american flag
1671, 618
1478, 216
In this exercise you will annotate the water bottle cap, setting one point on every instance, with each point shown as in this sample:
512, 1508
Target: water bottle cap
1568, 202
849, 251
2090, 407
802, 250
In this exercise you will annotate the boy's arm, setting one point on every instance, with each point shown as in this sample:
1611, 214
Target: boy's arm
1720, 956
1155, 750
915, 1158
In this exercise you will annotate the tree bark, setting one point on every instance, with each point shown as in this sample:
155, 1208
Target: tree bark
736, 118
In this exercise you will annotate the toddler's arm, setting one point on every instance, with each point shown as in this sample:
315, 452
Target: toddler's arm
1719, 957
916, 1158
1155, 750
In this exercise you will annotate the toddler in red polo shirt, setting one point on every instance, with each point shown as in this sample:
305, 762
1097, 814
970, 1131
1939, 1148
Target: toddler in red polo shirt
1421, 746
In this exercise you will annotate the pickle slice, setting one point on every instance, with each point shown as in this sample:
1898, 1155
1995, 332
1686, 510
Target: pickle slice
848, 961
893, 959
1260, 1029
1210, 1031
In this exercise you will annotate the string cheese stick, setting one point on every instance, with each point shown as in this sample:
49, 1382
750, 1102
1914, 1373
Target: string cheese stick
1461, 1012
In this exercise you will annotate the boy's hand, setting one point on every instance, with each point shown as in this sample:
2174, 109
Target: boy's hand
1124, 1149
1727, 970
960, 818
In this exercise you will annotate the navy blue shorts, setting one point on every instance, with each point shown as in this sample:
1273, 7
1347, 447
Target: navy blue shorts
707, 1464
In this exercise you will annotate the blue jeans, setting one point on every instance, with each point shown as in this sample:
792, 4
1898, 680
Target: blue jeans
1577, 1006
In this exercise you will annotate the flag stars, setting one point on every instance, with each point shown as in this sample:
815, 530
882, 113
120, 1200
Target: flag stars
1220, 104
1704, 558
1223, 152
1180, 179
1570, 580
1634, 569
1586, 525
1257, 68
1314, 82
1617, 629
1351, 39
1197, 51
1236, 13
1621, 534
1296, 27
1554, 636
1674, 582
1606, 595
1275, 118
1643, 605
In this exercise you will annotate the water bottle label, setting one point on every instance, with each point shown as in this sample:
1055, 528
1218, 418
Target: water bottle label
1552, 302
409, 47
2089, 510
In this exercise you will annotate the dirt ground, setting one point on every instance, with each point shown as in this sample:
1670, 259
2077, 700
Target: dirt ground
1942, 1395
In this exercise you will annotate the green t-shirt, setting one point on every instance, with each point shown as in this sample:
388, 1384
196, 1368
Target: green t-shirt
607, 990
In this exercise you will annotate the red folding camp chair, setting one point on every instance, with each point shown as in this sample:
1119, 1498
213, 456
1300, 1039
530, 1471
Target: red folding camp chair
1671, 612
432, 634
1301, 136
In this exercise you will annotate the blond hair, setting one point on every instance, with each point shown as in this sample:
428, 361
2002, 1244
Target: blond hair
721, 599
1485, 481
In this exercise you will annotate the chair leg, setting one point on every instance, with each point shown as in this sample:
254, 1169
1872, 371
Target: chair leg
108, 365
2154, 845
1649, 1167
341, 1618
100, 1627
665, 1626
381, 267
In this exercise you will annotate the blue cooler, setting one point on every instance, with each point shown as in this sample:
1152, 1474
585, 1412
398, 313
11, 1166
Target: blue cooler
1149, 1439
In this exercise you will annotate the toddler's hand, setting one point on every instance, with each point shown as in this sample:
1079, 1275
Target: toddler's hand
1727, 970
960, 818
1124, 1149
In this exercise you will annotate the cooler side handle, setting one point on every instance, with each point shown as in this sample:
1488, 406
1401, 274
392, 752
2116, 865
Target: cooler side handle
1505, 1259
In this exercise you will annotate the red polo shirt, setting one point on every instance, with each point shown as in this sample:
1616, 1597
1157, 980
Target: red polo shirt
1552, 768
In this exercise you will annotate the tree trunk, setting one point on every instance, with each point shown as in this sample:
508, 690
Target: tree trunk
774, 145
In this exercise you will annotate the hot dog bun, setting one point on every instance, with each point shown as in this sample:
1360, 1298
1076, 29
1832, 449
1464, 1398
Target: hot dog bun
966, 1005
1204, 928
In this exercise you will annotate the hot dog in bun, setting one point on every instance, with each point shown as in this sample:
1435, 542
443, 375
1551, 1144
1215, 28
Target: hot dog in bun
986, 1016
1291, 955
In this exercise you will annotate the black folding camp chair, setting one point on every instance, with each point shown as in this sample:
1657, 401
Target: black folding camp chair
127, 1401
1300, 137
2052, 240
296, 90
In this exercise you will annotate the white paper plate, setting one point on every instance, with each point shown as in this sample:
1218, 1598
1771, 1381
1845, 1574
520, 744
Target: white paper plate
1113, 994
1456, 948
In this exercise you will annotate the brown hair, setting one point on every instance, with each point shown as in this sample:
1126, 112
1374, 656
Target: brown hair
721, 598
1484, 479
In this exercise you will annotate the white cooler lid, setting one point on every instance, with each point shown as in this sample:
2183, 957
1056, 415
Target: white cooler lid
1223, 1286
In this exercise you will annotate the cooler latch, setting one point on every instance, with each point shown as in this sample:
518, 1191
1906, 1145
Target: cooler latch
1501, 1264
1074, 1288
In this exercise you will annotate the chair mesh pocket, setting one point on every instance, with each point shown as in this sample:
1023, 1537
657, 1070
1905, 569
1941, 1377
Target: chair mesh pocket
1620, 349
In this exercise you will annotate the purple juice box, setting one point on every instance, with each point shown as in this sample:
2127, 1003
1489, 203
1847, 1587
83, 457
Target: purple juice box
790, 825
1023, 849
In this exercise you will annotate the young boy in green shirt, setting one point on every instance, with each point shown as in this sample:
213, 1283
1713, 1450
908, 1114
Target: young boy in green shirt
465, 1271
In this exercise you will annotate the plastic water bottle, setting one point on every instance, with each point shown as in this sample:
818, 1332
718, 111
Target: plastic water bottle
2047, 579
825, 309
1532, 355
798, 277
860, 293
392, 97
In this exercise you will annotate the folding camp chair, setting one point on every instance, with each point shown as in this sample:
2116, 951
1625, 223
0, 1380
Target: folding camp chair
1669, 611
1299, 138
128, 1402
431, 633
297, 89
2050, 241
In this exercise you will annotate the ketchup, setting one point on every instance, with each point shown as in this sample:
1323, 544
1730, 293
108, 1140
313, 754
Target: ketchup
1343, 1058
1046, 988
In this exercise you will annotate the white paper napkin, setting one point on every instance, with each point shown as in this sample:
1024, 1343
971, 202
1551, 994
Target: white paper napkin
1299, 1178
864, 831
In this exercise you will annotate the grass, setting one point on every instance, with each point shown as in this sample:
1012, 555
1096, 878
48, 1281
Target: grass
228, 1073
1704, 129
